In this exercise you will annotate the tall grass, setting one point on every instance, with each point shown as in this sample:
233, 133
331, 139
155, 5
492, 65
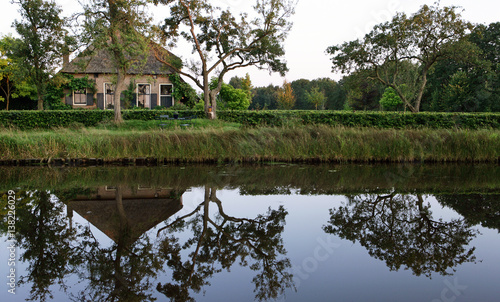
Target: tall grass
229, 143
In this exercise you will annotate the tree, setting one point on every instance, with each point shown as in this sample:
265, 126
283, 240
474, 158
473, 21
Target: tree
400, 230
232, 98
469, 86
42, 40
361, 92
217, 244
46, 242
390, 99
431, 35
244, 84
223, 42
265, 97
6, 71
316, 97
119, 27
286, 98
300, 88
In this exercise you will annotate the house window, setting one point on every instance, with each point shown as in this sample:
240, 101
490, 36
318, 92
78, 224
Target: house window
166, 98
109, 95
80, 97
143, 95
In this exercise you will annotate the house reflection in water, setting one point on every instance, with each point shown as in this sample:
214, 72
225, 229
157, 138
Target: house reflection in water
126, 212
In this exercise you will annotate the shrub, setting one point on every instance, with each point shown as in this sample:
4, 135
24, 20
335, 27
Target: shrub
90, 118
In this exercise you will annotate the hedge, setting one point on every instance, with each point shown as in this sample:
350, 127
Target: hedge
373, 119
64, 118
25, 119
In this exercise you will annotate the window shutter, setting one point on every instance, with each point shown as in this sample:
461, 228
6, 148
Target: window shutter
90, 99
100, 100
134, 100
154, 100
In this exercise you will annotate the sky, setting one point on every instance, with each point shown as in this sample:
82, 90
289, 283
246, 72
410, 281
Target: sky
317, 24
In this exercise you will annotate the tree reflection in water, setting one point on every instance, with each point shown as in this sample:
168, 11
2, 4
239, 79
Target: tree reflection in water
45, 242
400, 230
218, 243
127, 270
123, 272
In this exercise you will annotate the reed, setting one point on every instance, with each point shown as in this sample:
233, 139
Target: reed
224, 143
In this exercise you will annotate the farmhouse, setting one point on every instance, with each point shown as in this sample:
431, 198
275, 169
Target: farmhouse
148, 82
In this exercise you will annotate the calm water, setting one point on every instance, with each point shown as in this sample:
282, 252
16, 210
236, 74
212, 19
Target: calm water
265, 233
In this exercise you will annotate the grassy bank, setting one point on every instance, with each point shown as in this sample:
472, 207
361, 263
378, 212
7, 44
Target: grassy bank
227, 142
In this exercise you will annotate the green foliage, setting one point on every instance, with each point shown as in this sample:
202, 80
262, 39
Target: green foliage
53, 97
393, 120
286, 97
183, 91
231, 98
224, 42
265, 98
390, 99
128, 96
234, 99
41, 44
458, 86
317, 98
55, 90
403, 52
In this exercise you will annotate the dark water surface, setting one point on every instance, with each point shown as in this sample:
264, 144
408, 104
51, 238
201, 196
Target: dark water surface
246, 233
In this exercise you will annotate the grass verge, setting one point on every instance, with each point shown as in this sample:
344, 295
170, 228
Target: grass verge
224, 142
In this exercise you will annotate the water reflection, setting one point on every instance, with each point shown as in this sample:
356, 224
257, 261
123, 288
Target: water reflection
400, 230
155, 252
127, 270
218, 243
46, 241
55, 247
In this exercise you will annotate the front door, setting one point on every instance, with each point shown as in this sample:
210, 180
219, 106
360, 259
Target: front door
144, 95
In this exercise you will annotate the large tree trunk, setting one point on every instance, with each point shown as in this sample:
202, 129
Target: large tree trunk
120, 87
213, 101
40, 102
421, 91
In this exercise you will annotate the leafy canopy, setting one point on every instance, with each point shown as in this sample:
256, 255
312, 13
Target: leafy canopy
422, 39
223, 42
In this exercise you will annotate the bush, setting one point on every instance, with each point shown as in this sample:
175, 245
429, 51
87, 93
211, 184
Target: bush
90, 118
366, 119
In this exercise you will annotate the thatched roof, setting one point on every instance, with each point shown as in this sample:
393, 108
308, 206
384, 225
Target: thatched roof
140, 215
101, 62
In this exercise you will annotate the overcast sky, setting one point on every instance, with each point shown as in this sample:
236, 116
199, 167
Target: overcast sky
317, 25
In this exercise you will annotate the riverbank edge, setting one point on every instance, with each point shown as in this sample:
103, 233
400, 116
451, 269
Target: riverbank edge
309, 144
154, 162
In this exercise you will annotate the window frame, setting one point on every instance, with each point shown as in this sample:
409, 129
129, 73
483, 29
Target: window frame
84, 93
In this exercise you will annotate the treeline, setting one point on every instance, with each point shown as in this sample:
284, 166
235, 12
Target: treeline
453, 85
395, 67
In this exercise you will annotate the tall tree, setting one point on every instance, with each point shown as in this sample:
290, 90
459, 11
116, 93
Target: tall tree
42, 36
286, 97
6, 71
13, 84
469, 86
400, 230
119, 27
265, 97
223, 42
425, 38
317, 98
